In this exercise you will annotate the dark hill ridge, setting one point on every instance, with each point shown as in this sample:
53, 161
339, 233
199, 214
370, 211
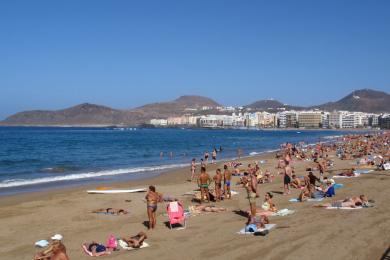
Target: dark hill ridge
271, 105
86, 114
266, 104
364, 100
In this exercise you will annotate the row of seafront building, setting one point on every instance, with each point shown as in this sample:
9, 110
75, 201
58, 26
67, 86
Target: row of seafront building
284, 119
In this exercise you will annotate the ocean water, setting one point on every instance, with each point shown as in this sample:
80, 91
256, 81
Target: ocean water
36, 158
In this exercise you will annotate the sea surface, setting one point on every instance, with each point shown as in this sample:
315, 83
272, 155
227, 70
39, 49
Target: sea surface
38, 158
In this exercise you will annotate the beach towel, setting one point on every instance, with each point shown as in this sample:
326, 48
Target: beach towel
245, 232
42, 243
338, 185
343, 208
386, 166
126, 246
346, 177
174, 206
309, 200
361, 171
283, 212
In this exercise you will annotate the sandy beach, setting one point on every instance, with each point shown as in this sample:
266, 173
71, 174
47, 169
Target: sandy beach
309, 233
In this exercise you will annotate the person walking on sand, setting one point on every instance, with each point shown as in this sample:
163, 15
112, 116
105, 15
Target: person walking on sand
152, 198
203, 183
218, 184
287, 177
193, 169
227, 177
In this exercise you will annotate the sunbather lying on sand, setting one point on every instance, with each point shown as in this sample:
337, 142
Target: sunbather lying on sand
111, 211
56, 251
352, 202
259, 221
135, 241
97, 249
310, 192
200, 208
349, 173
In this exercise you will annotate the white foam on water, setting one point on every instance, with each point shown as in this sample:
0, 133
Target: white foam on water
79, 176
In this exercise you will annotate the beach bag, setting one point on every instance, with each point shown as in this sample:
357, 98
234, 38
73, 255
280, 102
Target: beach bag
112, 242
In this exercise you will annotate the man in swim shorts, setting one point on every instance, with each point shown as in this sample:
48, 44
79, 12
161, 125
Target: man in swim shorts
203, 183
218, 184
287, 177
227, 176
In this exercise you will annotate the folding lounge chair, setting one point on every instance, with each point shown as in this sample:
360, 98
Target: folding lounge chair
176, 214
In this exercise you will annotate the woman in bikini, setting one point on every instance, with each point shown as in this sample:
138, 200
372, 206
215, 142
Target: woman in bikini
152, 198
193, 169
268, 207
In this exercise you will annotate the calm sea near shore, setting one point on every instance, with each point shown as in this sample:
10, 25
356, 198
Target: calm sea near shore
36, 158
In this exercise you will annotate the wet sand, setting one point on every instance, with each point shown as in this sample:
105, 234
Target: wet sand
309, 233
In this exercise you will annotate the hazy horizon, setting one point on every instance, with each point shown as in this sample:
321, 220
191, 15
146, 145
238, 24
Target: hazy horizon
126, 54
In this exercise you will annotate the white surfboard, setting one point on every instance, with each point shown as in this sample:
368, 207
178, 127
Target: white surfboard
115, 191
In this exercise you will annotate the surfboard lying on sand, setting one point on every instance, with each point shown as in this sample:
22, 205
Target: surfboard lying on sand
115, 191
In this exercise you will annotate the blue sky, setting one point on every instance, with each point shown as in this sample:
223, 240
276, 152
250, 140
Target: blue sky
55, 54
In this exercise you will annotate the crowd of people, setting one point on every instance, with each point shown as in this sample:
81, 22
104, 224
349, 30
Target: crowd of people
369, 150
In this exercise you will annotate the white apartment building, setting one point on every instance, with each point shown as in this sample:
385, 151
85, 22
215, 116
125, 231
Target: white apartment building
287, 118
159, 122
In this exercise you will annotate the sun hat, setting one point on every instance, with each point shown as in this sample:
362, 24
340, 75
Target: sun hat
57, 237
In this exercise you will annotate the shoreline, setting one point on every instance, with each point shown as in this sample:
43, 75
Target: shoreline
159, 177
120, 178
96, 126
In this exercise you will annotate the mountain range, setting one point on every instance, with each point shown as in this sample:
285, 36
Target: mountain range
365, 100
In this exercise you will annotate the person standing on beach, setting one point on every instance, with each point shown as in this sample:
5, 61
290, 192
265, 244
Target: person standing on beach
193, 168
203, 183
214, 156
227, 176
251, 188
218, 184
206, 157
287, 177
152, 198
239, 153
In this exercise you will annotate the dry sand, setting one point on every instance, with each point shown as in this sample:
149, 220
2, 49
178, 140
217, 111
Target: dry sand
310, 233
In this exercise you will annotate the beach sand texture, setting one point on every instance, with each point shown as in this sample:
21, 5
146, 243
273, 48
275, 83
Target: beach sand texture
309, 233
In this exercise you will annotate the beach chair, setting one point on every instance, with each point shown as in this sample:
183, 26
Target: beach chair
176, 215
330, 192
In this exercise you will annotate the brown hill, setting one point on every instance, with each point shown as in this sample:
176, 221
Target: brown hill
364, 100
83, 114
271, 105
177, 107
90, 114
